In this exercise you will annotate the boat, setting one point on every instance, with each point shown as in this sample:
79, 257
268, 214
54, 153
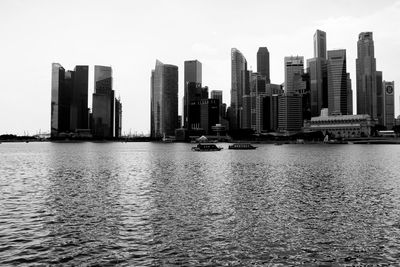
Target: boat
242, 146
206, 147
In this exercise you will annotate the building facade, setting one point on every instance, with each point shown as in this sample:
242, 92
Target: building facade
103, 103
164, 94
290, 113
345, 126
366, 75
263, 63
239, 81
337, 82
320, 44
388, 104
69, 100
118, 118
294, 68
192, 73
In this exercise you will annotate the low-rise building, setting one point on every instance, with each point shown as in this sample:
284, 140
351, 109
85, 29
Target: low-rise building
343, 126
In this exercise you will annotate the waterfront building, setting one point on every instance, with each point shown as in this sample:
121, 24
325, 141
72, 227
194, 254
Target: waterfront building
388, 104
263, 63
103, 103
262, 114
204, 114
69, 105
239, 82
194, 93
294, 68
343, 126
118, 117
79, 102
217, 94
246, 112
380, 94
164, 100
290, 113
317, 70
337, 82
192, 74
349, 96
366, 75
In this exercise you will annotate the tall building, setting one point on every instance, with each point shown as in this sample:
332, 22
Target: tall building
388, 114
118, 117
195, 93
290, 113
349, 96
366, 75
103, 103
380, 94
317, 69
69, 103
294, 68
217, 94
164, 93
238, 87
320, 44
79, 103
337, 82
263, 63
192, 73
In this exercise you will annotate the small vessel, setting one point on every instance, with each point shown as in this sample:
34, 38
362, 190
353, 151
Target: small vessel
206, 147
242, 146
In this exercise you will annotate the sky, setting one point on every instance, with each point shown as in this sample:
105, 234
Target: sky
131, 35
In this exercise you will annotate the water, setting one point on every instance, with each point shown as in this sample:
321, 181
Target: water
147, 204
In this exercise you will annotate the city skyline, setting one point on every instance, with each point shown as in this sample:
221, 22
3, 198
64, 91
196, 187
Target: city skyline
31, 49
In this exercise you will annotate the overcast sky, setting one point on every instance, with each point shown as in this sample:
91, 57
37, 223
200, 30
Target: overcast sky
131, 35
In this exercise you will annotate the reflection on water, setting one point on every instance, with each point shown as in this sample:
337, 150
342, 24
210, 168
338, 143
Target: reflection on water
147, 204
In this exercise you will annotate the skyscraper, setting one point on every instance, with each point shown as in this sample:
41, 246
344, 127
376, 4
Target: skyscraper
263, 63
69, 103
103, 103
164, 93
349, 96
337, 82
118, 117
380, 94
316, 68
366, 75
320, 44
195, 93
192, 73
217, 94
79, 103
294, 68
388, 114
238, 84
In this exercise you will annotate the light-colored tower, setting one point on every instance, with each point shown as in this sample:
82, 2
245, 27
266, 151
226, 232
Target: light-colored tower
316, 67
320, 44
164, 91
388, 104
366, 75
238, 84
337, 82
294, 68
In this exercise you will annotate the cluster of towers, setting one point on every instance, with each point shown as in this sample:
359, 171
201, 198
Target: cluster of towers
323, 88
200, 111
324, 84
70, 115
